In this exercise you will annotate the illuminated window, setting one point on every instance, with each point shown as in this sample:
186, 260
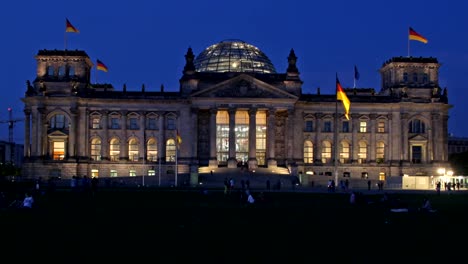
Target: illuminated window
96, 149
58, 150
261, 136
94, 173
133, 150
114, 149
222, 136
380, 152
132, 173
96, 122
381, 127
308, 152
113, 173
170, 150
362, 154
344, 152
152, 150
151, 173
326, 152
363, 126
241, 130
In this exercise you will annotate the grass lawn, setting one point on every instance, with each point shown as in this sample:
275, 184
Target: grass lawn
179, 225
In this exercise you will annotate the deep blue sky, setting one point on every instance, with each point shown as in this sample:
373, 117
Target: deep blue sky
144, 42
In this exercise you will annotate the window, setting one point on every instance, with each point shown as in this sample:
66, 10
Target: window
326, 152
152, 123
133, 150
113, 173
132, 173
327, 126
308, 152
114, 149
344, 152
133, 123
405, 77
61, 71
222, 136
425, 78
415, 77
96, 149
151, 173
170, 150
71, 71
152, 150
261, 137
362, 154
50, 70
363, 126
416, 152
309, 126
380, 152
381, 127
57, 122
346, 174
417, 126
345, 126
58, 150
171, 123
115, 123
364, 175
94, 173
96, 122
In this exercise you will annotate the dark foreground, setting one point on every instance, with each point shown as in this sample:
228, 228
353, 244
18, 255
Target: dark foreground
172, 226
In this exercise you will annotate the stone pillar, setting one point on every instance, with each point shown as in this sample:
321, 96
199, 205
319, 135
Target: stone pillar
355, 139
71, 150
232, 161
271, 123
27, 135
373, 135
253, 163
142, 131
162, 138
213, 163
43, 133
318, 138
35, 133
404, 137
123, 142
82, 140
105, 135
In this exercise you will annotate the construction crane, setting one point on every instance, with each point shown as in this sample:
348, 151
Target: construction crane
11, 122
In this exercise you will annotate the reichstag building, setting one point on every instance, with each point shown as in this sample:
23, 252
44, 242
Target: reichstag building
233, 110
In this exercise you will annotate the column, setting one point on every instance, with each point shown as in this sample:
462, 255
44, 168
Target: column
27, 135
105, 135
271, 138
404, 137
355, 146
252, 139
318, 138
35, 133
82, 125
162, 138
123, 140
232, 161
213, 154
71, 152
373, 134
289, 134
142, 131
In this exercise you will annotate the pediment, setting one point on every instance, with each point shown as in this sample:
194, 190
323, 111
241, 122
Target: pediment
243, 86
57, 134
418, 138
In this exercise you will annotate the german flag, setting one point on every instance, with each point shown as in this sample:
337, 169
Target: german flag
179, 139
70, 28
413, 35
101, 66
341, 95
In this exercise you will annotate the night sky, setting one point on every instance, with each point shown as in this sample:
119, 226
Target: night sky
144, 42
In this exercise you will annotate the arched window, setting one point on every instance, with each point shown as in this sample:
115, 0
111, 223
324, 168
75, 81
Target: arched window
170, 150
362, 154
326, 152
133, 149
344, 152
152, 150
57, 121
380, 152
417, 126
96, 149
114, 149
308, 152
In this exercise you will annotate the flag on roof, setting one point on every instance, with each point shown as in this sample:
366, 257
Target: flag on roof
101, 66
70, 28
413, 35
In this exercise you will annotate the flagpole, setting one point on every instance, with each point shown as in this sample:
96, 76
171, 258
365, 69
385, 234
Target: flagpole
335, 143
408, 47
176, 158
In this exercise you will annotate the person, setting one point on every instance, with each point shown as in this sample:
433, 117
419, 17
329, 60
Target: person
426, 206
250, 199
352, 198
28, 201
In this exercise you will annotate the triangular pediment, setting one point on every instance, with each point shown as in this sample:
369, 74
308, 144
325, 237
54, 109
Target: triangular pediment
57, 134
418, 138
243, 86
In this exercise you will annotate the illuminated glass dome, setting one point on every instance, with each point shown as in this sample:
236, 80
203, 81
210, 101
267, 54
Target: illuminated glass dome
233, 56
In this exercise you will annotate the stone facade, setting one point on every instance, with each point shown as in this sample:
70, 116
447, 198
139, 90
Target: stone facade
227, 119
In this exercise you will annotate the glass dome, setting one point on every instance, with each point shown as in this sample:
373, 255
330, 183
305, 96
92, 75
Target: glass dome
233, 56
